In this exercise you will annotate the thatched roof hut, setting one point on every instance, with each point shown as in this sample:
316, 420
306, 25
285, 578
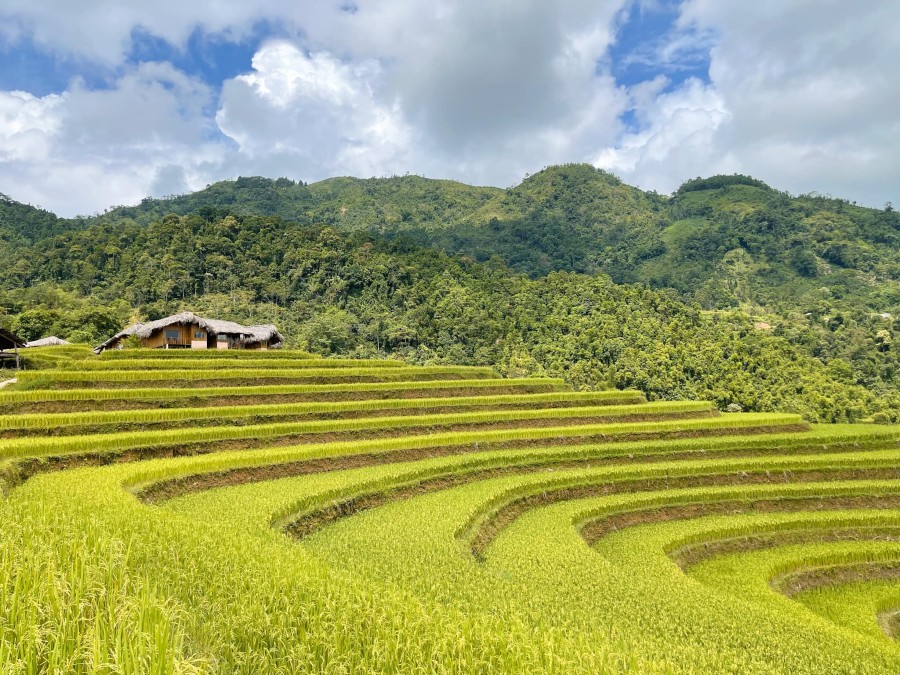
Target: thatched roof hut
51, 341
9, 340
265, 332
206, 331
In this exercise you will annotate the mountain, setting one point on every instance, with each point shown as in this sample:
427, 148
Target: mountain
22, 225
732, 290
723, 241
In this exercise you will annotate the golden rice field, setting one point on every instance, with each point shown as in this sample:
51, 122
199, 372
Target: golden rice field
190, 512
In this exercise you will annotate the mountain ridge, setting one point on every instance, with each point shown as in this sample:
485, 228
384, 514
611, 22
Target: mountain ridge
729, 290
723, 241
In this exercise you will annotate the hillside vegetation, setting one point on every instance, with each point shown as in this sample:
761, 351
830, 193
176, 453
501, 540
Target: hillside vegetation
775, 302
724, 240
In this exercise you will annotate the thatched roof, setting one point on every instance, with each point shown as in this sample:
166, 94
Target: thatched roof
9, 340
51, 341
264, 333
214, 326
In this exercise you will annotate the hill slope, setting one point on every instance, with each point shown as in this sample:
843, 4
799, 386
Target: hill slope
723, 241
355, 272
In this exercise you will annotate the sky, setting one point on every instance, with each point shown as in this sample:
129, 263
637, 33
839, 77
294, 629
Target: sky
105, 102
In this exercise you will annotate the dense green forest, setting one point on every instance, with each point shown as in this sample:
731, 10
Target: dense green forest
728, 290
723, 241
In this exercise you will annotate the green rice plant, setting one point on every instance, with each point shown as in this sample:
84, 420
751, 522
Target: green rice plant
399, 373
763, 574
543, 552
205, 354
36, 447
394, 578
563, 578
94, 580
754, 574
303, 617
540, 483
8, 396
72, 607
719, 466
867, 607
248, 363
55, 420
822, 439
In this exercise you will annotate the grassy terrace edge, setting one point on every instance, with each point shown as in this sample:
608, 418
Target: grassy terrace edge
261, 465
635, 405
35, 447
199, 374
159, 393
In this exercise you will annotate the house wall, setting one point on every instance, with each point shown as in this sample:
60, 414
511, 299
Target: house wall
185, 337
224, 342
198, 337
261, 346
157, 339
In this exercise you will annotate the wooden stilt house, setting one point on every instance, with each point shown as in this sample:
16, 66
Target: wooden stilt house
189, 331
10, 343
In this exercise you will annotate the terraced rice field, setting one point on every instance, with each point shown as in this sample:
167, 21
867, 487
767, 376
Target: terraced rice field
169, 512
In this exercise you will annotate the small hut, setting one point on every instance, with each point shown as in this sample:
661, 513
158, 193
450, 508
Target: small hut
189, 331
10, 341
51, 341
263, 336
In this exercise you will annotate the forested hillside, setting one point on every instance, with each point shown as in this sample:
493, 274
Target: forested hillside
773, 302
723, 241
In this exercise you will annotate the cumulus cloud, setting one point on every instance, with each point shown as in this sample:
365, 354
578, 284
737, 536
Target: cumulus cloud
484, 93
27, 124
85, 149
677, 140
802, 94
101, 30
314, 113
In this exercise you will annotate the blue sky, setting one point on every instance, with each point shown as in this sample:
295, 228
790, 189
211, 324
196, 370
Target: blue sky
213, 58
640, 32
107, 103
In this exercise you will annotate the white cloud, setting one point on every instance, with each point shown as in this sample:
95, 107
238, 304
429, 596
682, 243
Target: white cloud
83, 150
27, 124
804, 95
101, 30
314, 113
491, 71
483, 93
678, 138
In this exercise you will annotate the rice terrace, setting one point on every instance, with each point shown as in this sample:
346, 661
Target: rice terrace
173, 511
444, 337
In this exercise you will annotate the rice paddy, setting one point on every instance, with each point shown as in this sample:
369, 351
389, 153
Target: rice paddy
172, 511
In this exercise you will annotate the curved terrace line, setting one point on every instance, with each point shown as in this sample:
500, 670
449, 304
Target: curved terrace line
604, 405
21, 468
311, 522
607, 454
101, 443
